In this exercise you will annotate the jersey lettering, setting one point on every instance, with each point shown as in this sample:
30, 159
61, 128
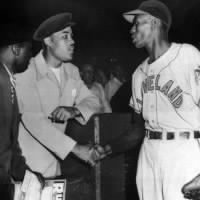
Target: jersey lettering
151, 83
174, 95
157, 87
177, 103
148, 84
165, 89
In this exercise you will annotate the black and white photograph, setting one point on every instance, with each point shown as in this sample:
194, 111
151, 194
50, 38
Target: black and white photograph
100, 100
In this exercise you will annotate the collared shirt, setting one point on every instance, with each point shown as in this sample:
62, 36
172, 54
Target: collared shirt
56, 72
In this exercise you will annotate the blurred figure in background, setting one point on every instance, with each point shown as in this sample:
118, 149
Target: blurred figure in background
100, 77
117, 78
87, 72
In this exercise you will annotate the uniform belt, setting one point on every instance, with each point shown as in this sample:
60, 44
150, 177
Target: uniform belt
171, 135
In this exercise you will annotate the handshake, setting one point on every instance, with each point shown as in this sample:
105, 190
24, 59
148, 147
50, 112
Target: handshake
91, 154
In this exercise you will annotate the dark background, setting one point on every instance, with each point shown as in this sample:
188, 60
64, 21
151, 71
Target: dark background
101, 31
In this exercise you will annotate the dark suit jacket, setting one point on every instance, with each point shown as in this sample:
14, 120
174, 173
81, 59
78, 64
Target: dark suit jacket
11, 161
120, 100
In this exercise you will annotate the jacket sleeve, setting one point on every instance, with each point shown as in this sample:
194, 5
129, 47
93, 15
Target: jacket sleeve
51, 137
18, 164
133, 135
37, 122
11, 159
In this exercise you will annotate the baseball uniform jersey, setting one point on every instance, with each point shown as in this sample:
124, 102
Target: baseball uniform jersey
166, 92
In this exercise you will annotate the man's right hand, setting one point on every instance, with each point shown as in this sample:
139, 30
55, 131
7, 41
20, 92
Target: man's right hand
102, 151
86, 153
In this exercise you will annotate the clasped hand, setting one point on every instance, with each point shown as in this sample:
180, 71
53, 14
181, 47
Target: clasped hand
91, 154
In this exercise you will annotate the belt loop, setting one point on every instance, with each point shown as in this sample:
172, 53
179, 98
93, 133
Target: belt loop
184, 134
171, 135
196, 134
164, 135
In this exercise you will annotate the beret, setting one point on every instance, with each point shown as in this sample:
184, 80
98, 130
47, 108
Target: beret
53, 24
152, 7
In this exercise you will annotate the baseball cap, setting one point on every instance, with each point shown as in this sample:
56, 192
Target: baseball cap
154, 8
52, 25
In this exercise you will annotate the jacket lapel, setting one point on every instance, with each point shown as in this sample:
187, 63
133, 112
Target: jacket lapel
43, 69
53, 94
68, 86
64, 77
46, 85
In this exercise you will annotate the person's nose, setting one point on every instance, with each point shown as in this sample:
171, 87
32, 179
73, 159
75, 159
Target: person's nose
72, 40
133, 29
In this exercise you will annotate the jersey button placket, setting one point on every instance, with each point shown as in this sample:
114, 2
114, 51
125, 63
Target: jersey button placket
152, 107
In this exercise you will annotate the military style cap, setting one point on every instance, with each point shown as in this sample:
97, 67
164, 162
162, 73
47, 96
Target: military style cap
154, 8
53, 24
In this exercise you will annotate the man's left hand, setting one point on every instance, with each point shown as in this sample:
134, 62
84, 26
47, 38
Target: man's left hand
63, 113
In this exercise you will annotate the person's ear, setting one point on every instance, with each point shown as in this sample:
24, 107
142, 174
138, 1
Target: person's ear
155, 23
15, 49
47, 41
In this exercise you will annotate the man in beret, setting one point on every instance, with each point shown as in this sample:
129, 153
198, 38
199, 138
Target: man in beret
15, 52
50, 92
166, 93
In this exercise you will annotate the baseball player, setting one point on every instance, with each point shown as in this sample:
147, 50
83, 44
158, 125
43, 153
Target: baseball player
166, 91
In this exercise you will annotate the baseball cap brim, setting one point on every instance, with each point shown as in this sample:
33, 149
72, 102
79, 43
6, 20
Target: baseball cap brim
129, 16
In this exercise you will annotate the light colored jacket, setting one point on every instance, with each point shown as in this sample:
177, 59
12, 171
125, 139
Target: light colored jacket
39, 93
